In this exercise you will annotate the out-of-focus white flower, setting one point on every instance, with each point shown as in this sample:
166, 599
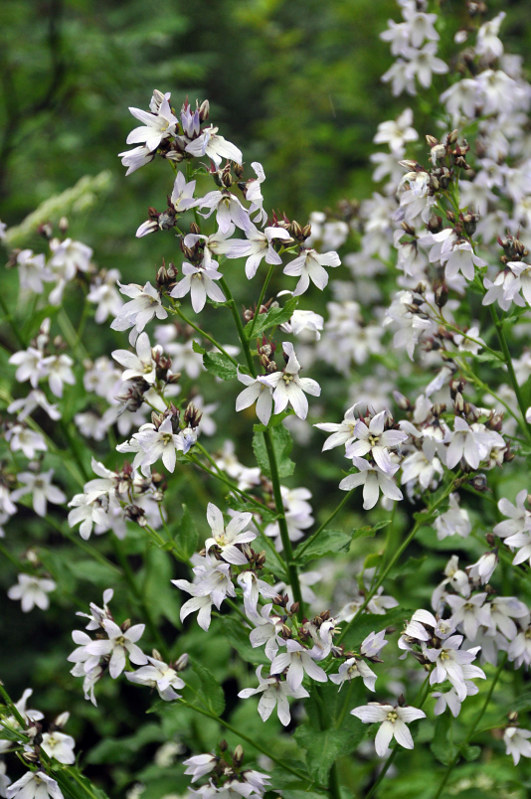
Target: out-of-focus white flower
32, 591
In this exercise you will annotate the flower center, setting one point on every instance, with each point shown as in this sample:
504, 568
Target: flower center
392, 716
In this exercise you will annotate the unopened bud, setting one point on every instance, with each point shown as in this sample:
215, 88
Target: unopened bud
238, 755
441, 295
479, 482
63, 224
182, 662
204, 111
431, 141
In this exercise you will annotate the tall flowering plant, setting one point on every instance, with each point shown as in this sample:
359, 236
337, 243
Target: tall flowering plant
246, 622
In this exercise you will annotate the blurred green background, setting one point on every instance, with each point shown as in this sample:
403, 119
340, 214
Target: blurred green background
295, 84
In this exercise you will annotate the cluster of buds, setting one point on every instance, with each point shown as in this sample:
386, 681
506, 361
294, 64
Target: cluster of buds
266, 352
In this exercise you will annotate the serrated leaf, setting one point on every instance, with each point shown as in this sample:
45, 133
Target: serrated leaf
326, 542
332, 541
210, 693
220, 365
282, 444
275, 316
323, 747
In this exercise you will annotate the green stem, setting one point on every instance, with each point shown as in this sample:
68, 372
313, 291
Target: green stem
299, 774
421, 520
419, 701
137, 593
11, 322
220, 475
176, 309
301, 549
261, 299
12, 707
473, 728
512, 377
273, 467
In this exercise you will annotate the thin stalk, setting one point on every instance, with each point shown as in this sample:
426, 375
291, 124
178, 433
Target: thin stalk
301, 549
418, 524
11, 322
176, 309
137, 593
299, 774
273, 467
261, 299
512, 377
472, 729
419, 701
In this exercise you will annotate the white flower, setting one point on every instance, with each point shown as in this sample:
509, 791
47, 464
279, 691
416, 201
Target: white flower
289, 388
41, 488
462, 259
517, 743
154, 443
144, 305
140, 365
32, 271
32, 591
342, 433
274, 692
58, 370
199, 281
158, 675
257, 391
454, 521
309, 265
34, 785
60, 746
227, 538
376, 441
397, 132
373, 480
156, 127
453, 664
298, 661
118, 645
199, 765
210, 143
28, 441
392, 720
355, 667
256, 246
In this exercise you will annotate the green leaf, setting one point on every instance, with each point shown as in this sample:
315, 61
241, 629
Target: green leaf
331, 541
220, 365
159, 594
327, 541
323, 747
282, 444
196, 346
443, 749
238, 637
78, 787
275, 316
91, 570
209, 692
471, 753
186, 536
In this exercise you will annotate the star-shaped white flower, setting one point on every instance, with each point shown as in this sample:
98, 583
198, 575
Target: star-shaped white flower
289, 388
393, 723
